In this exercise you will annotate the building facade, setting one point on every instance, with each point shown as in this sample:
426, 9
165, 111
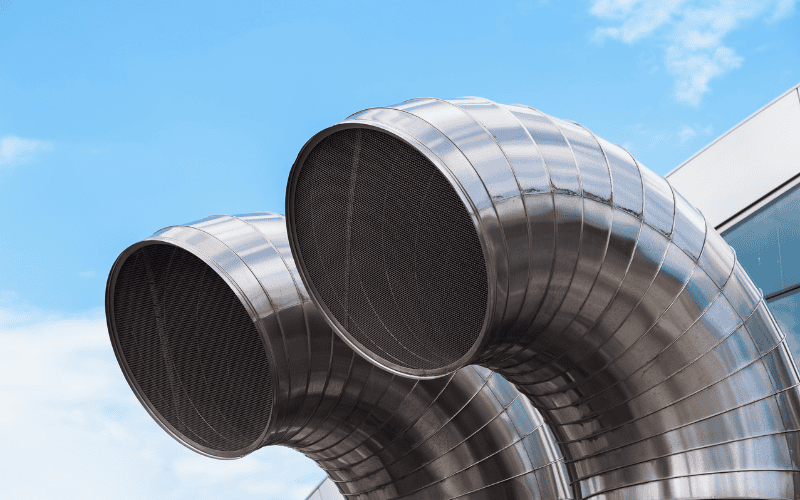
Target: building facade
747, 184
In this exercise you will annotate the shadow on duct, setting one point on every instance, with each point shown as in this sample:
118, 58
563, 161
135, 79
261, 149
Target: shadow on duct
437, 234
217, 337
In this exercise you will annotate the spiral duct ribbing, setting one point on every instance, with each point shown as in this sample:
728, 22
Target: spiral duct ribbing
219, 340
435, 234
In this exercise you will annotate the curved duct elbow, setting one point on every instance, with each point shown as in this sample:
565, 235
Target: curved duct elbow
436, 234
219, 340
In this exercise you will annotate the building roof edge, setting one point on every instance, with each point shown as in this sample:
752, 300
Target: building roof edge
795, 88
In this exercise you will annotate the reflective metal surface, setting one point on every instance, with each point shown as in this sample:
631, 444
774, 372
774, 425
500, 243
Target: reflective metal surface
613, 305
377, 435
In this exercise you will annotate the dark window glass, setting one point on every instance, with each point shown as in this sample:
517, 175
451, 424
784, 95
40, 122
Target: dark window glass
786, 310
768, 243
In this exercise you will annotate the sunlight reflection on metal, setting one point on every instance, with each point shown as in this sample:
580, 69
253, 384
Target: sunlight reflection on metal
599, 292
172, 305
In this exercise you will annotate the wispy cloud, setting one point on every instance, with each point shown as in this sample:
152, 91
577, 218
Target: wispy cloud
87, 274
65, 408
693, 32
16, 150
250, 474
686, 132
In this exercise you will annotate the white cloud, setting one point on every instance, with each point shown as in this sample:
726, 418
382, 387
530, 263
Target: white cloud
251, 474
16, 150
66, 409
203, 472
639, 18
692, 32
693, 70
87, 274
687, 133
785, 8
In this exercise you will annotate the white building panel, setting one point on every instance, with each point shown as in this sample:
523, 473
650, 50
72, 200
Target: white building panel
746, 163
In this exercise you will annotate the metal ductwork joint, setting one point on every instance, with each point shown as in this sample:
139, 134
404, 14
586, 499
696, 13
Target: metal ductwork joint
218, 338
436, 234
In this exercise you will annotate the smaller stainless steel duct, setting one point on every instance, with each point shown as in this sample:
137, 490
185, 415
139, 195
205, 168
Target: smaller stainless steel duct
219, 340
435, 234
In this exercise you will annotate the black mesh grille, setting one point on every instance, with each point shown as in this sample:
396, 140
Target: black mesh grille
390, 248
192, 347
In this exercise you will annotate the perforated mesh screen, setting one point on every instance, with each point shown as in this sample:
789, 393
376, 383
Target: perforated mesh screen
390, 248
192, 347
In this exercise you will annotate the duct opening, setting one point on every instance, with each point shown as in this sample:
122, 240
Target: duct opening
389, 249
188, 343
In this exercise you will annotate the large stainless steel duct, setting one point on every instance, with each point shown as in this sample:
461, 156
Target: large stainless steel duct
435, 234
217, 337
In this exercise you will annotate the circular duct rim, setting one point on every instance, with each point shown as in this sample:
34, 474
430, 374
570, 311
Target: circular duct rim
356, 345
127, 371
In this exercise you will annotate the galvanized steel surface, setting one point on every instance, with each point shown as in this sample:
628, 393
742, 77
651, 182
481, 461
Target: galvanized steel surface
613, 306
469, 434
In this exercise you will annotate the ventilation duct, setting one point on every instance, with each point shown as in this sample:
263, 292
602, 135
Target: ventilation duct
217, 337
436, 234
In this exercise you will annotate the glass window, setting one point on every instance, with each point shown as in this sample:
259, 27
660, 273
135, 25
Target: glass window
786, 310
768, 243
768, 247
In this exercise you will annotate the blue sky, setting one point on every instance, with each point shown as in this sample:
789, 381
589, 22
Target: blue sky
119, 118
